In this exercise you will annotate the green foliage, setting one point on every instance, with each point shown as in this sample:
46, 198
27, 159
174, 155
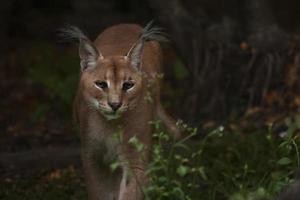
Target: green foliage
55, 70
222, 165
136, 144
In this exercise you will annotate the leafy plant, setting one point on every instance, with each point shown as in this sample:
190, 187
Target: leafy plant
222, 165
55, 71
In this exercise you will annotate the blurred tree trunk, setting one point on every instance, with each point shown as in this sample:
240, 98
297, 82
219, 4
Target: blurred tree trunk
186, 31
269, 46
258, 14
222, 71
201, 45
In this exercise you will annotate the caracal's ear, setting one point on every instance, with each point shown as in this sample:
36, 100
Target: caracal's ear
88, 53
148, 33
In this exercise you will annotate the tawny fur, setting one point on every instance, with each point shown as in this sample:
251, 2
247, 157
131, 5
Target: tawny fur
108, 58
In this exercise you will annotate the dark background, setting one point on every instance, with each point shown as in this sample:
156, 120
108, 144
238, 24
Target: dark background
206, 37
227, 60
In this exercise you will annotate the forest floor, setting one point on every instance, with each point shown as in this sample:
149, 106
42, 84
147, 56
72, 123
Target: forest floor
39, 148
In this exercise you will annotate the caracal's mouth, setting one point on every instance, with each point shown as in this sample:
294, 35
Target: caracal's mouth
111, 115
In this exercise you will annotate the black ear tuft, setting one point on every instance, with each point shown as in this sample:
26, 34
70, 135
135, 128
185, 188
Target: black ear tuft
148, 33
87, 51
151, 32
71, 33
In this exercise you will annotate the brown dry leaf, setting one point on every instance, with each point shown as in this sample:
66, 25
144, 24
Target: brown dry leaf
292, 74
272, 118
297, 101
253, 110
71, 169
54, 175
274, 98
15, 129
208, 125
244, 46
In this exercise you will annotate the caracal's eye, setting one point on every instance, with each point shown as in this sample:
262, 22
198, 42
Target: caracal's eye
101, 84
127, 85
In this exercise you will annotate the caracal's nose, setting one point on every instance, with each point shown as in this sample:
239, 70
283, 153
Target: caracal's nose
115, 105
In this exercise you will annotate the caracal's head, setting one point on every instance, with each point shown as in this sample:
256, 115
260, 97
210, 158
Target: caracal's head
111, 85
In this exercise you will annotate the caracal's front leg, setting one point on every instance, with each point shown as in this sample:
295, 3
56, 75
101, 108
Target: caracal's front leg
131, 187
133, 173
102, 183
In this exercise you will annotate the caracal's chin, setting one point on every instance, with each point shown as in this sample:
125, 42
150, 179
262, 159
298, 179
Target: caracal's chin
111, 115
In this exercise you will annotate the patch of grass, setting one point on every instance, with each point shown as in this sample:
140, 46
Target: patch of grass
223, 165
60, 184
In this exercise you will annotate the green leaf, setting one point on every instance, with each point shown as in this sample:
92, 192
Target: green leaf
237, 196
182, 170
297, 121
201, 170
180, 71
114, 165
284, 161
134, 141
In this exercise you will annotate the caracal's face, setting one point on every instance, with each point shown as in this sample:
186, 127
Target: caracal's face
112, 87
